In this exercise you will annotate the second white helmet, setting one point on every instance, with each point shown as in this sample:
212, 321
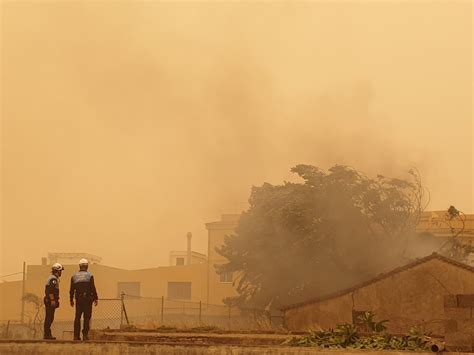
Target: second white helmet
83, 262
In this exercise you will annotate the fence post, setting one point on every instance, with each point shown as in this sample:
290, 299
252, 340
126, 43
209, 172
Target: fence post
230, 310
162, 308
121, 309
124, 310
200, 312
23, 294
6, 330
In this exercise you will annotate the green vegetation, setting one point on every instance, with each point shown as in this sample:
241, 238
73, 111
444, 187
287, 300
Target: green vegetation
346, 336
368, 320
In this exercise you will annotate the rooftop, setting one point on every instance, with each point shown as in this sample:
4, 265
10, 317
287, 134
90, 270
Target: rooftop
73, 257
381, 277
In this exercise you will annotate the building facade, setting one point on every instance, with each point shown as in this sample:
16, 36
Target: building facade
409, 296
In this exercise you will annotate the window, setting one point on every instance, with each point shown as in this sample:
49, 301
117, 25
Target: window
226, 277
179, 261
179, 290
130, 289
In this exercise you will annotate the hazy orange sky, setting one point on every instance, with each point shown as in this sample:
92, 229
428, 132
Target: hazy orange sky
126, 125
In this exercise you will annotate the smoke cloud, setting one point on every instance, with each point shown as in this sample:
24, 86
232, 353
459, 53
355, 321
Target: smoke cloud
125, 125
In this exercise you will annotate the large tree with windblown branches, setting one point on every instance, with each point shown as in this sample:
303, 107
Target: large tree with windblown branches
336, 228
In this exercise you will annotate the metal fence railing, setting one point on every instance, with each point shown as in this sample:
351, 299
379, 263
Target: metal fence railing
105, 315
151, 311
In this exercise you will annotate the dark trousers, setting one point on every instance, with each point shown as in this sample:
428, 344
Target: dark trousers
48, 319
83, 307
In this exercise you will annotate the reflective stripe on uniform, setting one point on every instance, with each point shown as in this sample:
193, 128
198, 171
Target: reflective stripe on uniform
81, 276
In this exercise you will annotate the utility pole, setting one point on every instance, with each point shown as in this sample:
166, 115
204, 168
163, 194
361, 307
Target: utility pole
23, 294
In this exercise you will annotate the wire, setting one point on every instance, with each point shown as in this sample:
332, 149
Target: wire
16, 273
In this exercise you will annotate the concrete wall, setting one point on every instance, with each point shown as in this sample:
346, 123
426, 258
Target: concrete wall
459, 323
412, 297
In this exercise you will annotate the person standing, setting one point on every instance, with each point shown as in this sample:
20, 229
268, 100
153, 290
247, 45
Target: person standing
51, 299
83, 290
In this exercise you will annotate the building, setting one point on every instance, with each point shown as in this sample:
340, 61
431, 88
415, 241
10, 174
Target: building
188, 257
219, 286
191, 276
412, 295
438, 224
179, 258
179, 283
69, 258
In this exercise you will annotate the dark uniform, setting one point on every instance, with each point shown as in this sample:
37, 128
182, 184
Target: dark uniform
51, 293
83, 289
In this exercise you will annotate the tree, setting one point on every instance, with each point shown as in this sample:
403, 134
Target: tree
35, 311
453, 247
336, 228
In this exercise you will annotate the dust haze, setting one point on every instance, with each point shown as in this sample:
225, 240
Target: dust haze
124, 125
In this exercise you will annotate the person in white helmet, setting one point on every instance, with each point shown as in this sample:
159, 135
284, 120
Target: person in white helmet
83, 290
51, 299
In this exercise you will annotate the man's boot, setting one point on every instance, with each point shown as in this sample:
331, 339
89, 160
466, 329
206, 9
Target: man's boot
48, 337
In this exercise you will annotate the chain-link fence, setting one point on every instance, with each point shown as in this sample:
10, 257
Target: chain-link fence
150, 311
108, 314
147, 312
15, 329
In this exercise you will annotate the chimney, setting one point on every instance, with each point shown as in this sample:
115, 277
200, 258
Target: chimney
189, 252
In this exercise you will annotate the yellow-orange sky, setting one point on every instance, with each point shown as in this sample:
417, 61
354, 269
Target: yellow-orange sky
125, 125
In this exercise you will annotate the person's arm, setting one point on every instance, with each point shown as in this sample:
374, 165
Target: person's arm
50, 292
94, 291
71, 292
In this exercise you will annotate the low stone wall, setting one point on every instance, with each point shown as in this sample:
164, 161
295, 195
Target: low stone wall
459, 322
190, 338
103, 348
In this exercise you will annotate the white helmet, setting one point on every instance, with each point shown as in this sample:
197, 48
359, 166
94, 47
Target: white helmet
57, 267
83, 262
